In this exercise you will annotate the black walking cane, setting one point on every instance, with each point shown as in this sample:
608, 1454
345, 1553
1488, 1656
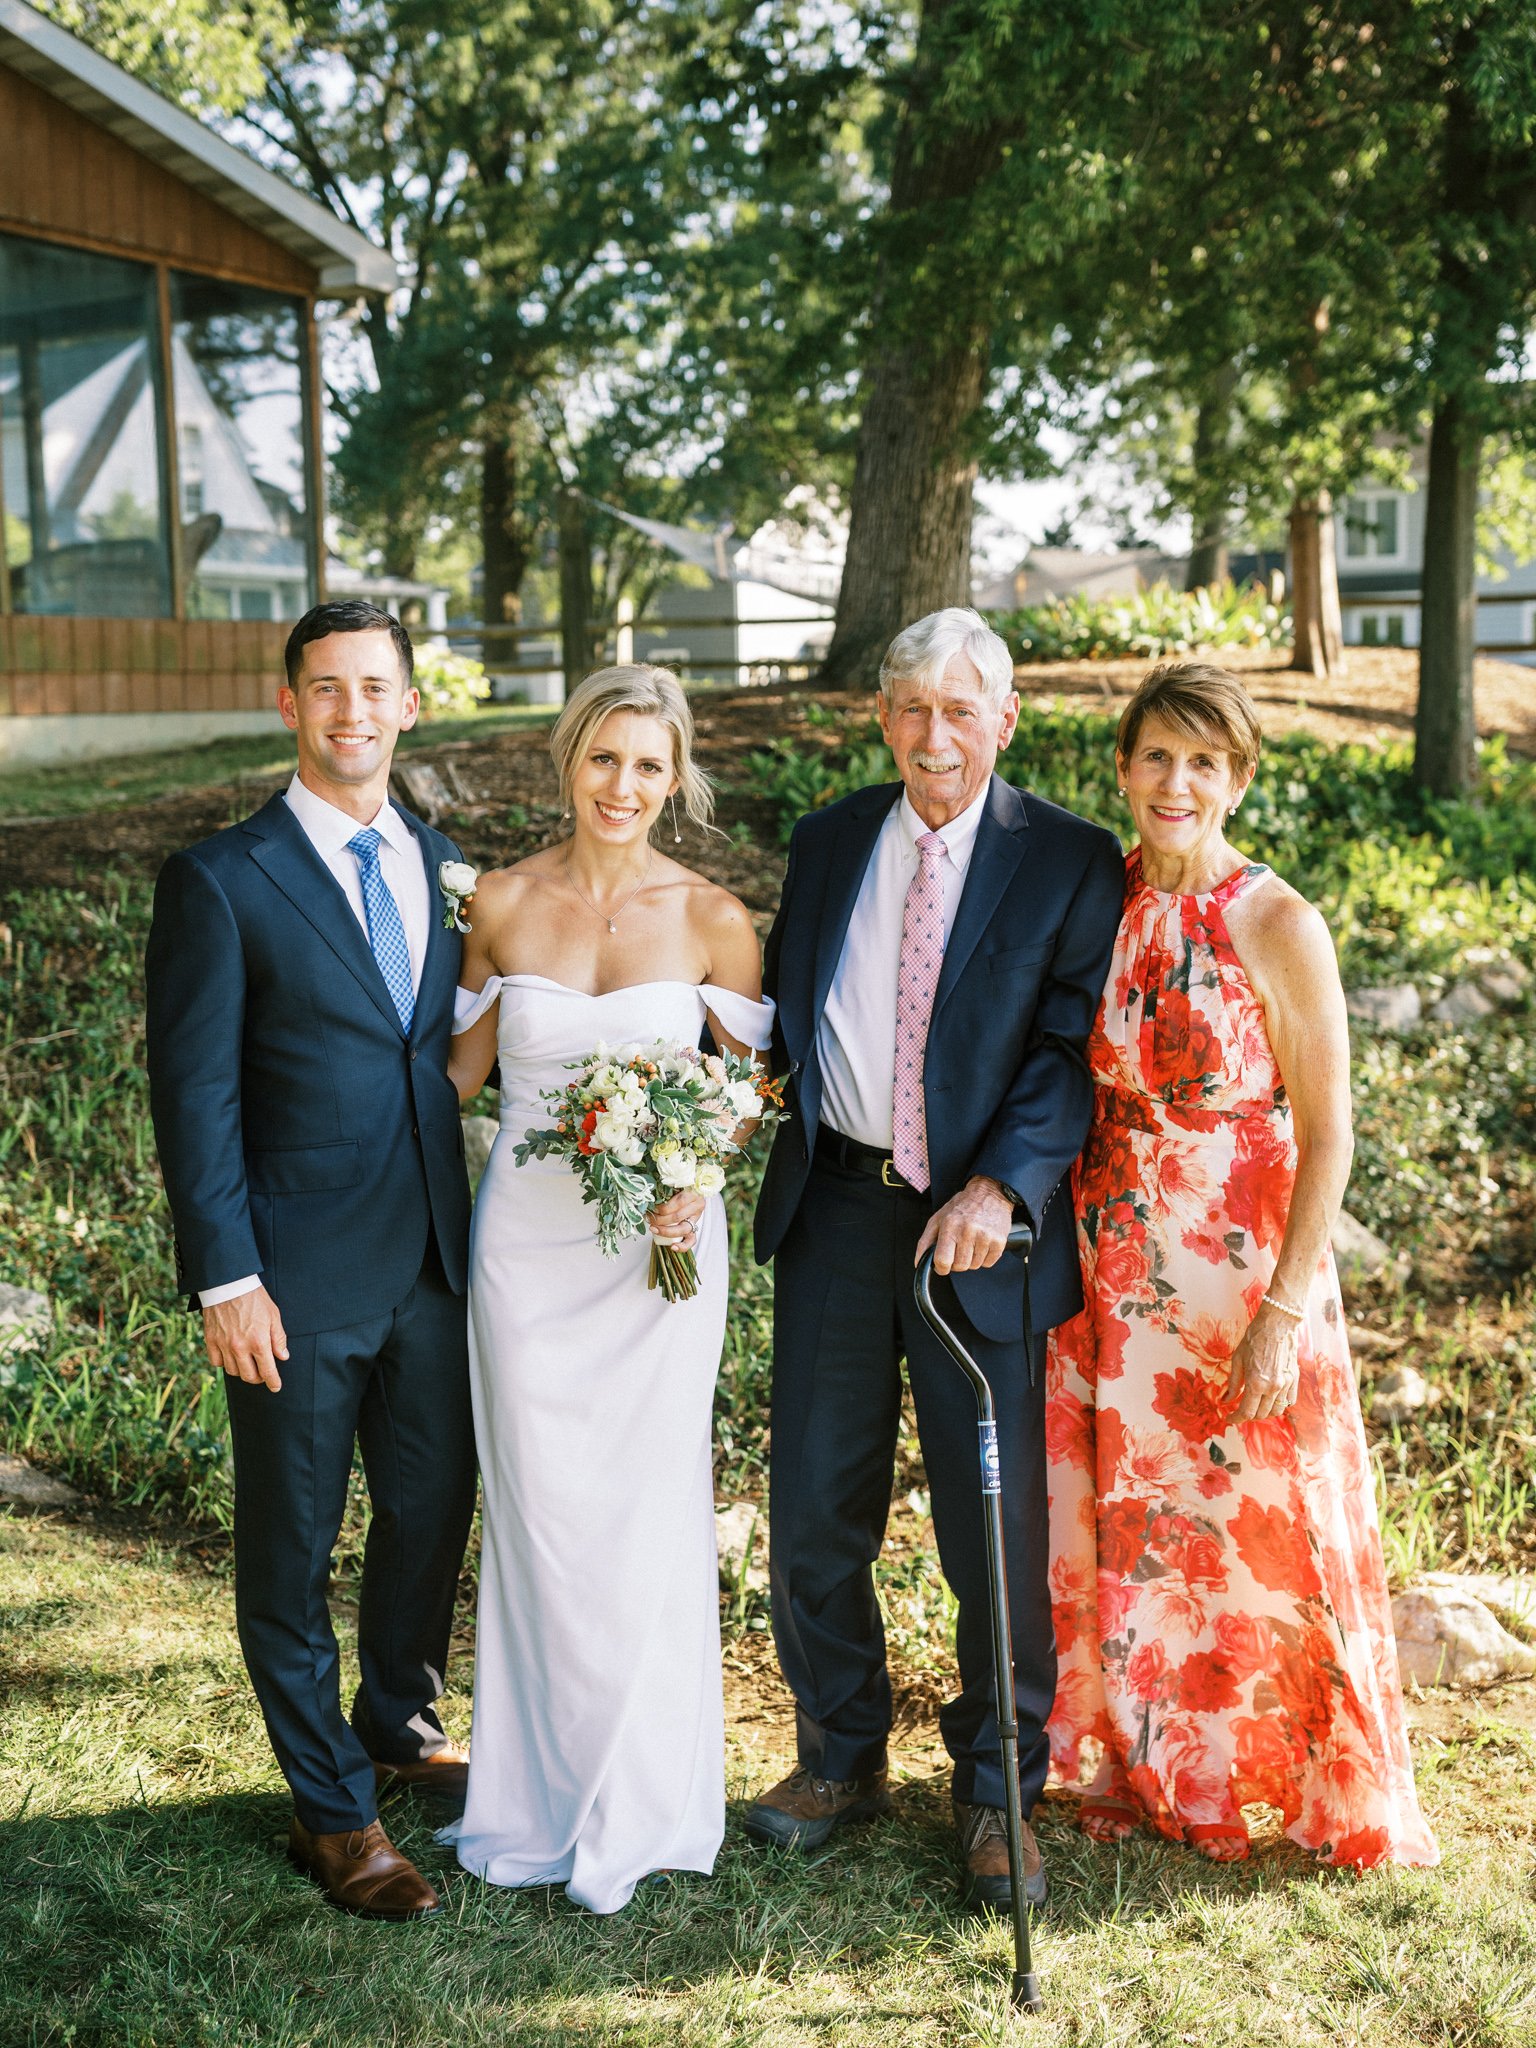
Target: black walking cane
1025, 1990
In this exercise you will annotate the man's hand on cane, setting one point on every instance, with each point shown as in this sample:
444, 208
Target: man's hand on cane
971, 1230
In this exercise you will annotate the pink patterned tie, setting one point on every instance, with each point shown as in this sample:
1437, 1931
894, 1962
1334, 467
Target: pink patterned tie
917, 979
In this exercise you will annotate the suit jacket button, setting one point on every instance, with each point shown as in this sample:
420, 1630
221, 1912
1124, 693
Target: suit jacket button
413, 1052
794, 1066
415, 1133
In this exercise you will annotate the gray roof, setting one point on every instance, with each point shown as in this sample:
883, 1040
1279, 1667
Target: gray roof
61, 64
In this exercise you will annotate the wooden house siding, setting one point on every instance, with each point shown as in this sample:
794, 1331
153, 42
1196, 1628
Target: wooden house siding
61, 666
65, 178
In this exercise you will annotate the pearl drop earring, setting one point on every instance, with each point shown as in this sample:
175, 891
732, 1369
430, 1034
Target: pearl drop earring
677, 837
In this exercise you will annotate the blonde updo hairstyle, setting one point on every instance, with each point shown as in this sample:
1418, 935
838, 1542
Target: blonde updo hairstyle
650, 692
1202, 702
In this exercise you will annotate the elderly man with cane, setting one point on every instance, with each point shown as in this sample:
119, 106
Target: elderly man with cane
937, 960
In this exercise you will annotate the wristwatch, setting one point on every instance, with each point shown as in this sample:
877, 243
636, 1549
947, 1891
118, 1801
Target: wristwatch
1012, 1193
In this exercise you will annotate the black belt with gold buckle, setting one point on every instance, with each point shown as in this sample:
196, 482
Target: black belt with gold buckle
859, 1158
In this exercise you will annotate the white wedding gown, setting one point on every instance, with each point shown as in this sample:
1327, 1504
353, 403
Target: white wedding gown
598, 1746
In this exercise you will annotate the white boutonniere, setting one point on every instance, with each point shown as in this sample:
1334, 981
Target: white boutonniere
456, 879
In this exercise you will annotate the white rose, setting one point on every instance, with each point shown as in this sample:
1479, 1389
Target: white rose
631, 1151
610, 1133
675, 1167
457, 878
744, 1099
710, 1178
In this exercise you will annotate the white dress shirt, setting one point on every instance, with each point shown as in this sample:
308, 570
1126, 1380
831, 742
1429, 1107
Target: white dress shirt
403, 868
856, 1038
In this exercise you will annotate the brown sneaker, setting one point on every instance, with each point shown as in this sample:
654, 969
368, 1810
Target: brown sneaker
446, 1771
362, 1872
984, 1845
801, 1812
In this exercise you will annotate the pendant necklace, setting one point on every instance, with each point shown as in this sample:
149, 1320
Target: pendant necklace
612, 922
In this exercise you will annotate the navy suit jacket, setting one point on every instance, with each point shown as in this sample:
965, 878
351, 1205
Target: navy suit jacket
1005, 1083
302, 1134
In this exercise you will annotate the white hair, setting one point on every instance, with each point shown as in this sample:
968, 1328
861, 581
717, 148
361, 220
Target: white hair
921, 653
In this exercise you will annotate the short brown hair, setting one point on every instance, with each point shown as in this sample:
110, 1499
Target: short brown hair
1201, 701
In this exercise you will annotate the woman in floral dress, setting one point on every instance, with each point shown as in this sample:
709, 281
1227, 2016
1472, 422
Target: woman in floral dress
1222, 1619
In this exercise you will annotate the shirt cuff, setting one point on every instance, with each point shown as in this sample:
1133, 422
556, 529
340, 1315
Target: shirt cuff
210, 1297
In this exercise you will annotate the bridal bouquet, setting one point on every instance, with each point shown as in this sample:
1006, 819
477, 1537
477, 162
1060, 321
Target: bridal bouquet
639, 1123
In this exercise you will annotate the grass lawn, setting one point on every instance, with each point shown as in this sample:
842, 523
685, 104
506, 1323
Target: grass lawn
70, 788
145, 1901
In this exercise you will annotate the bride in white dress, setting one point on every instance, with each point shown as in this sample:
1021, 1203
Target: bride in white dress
598, 1745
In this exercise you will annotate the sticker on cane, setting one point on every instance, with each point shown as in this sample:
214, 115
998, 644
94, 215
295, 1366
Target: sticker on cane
991, 1479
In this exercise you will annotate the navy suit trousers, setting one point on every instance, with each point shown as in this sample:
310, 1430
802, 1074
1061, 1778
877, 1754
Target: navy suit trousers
397, 1385
844, 1317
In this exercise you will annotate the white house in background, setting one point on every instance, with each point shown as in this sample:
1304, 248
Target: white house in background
1379, 541
1045, 573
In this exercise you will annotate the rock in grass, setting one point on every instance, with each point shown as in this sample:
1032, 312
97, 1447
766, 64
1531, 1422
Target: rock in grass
1447, 1636
1399, 1395
25, 1317
1362, 1255
741, 1534
1365, 1342
1389, 1009
1510, 1598
1506, 983
479, 1136
24, 1484
1464, 1004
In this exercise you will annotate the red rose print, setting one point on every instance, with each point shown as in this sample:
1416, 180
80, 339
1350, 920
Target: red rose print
1364, 1848
1200, 1558
1121, 1271
1147, 1672
1192, 1403
1122, 1535
1206, 1685
1270, 1444
1274, 1550
1259, 1185
1246, 1642
1264, 1765
1069, 1432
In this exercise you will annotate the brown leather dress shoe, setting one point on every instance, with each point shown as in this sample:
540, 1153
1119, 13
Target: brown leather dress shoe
984, 1845
446, 1770
362, 1872
803, 1810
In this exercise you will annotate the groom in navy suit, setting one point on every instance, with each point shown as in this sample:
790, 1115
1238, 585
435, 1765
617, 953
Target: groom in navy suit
300, 997
937, 960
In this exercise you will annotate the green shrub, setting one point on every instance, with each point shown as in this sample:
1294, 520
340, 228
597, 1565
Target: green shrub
1154, 622
451, 685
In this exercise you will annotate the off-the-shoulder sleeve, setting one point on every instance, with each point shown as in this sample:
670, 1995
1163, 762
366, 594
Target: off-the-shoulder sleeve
470, 1006
751, 1022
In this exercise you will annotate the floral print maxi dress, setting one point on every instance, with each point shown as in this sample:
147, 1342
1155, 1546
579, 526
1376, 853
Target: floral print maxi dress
1220, 1599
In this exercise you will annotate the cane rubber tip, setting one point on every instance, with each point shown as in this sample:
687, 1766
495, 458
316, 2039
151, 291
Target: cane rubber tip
1025, 1995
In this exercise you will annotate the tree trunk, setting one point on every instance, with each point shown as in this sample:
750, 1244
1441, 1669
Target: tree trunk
506, 542
1315, 608
909, 533
909, 537
1210, 500
575, 538
1445, 723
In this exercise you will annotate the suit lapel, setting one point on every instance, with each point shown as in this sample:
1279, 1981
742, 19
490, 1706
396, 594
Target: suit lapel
848, 858
440, 965
284, 854
1001, 839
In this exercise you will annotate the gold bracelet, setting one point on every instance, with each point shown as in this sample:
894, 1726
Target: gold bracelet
1297, 1315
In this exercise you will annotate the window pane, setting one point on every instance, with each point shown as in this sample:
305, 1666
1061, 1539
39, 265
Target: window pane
240, 439
1386, 526
1357, 529
80, 434
1370, 630
1395, 630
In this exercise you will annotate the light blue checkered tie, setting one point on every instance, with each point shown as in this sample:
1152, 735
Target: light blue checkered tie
386, 934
